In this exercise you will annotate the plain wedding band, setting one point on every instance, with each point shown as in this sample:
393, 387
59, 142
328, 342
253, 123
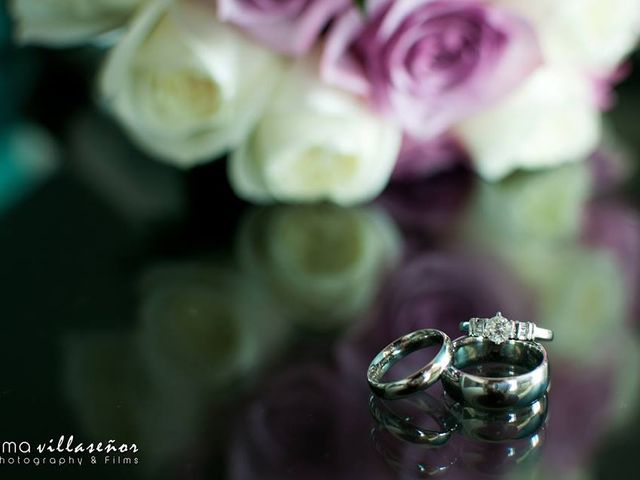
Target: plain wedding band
496, 392
400, 348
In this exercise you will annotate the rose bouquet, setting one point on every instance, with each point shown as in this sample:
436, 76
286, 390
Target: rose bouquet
329, 99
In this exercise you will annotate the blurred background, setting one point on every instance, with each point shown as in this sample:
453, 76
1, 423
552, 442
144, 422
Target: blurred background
149, 304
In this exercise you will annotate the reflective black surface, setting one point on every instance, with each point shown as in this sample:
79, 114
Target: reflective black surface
237, 349
148, 305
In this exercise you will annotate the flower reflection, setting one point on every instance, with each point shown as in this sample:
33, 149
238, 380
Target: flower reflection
529, 208
323, 264
198, 343
209, 328
612, 163
309, 423
113, 396
579, 258
435, 289
199, 325
212, 335
427, 209
613, 226
540, 244
536, 224
608, 391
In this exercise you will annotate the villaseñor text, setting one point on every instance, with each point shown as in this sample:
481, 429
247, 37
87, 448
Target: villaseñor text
56, 452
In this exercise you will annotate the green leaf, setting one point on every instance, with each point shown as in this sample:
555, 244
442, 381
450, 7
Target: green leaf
361, 4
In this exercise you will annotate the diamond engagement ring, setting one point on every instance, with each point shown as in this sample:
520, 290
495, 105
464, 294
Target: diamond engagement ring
499, 329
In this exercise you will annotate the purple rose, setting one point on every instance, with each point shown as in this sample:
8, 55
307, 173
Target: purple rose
289, 26
429, 63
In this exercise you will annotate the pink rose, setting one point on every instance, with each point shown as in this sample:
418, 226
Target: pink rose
429, 63
288, 26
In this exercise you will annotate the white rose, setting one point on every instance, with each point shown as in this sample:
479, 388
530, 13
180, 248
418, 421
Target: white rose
315, 143
551, 119
68, 22
322, 263
187, 87
591, 34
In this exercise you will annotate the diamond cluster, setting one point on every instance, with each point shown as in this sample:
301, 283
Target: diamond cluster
498, 329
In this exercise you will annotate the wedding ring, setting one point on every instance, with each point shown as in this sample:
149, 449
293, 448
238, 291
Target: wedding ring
510, 374
499, 329
402, 347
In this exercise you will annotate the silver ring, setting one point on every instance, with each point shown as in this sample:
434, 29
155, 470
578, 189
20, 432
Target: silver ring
402, 347
499, 329
491, 386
